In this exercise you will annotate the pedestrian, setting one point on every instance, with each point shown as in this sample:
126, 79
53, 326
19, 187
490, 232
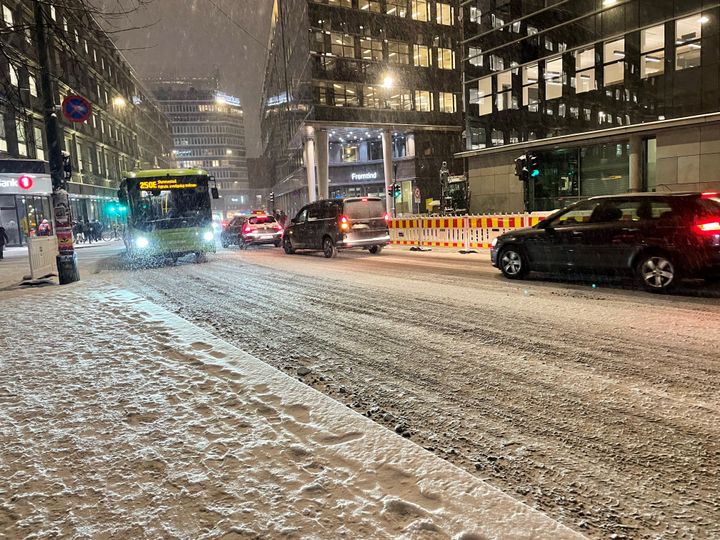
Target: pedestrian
3, 240
98, 228
44, 228
87, 231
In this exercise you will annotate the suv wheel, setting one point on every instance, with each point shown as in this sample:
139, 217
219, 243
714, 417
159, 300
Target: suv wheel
287, 246
375, 250
513, 263
656, 272
329, 249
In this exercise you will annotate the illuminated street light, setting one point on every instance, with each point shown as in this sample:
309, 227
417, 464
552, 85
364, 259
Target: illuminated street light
220, 100
387, 81
119, 102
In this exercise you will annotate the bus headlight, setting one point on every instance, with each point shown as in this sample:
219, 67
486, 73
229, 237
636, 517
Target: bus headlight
208, 236
142, 243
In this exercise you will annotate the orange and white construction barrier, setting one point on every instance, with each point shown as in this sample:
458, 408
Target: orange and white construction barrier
464, 232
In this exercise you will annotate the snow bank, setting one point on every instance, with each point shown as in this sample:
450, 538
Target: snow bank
135, 423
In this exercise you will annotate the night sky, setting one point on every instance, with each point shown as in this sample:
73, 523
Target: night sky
191, 38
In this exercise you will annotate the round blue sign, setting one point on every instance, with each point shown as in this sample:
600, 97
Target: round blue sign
76, 108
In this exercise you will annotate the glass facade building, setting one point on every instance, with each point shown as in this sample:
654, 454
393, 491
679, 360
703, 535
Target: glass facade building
611, 95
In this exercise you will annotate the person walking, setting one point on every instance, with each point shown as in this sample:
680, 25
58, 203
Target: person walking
87, 231
3, 240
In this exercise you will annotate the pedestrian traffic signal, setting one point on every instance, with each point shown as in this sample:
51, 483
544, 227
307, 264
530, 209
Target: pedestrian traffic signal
397, 191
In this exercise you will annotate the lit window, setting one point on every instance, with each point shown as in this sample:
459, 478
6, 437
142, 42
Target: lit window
85, 46
342, 45
445, 14
423, 101
3, 137
585, 71
504, 91
370, 5
496, 63
421, 55
39, 145
475, 56
448, 102
688, 32
342, 3
13, 75
77, 36
614, 62
475, 14
7, 16
21, 138
371, 49
33, 85
553, 78
485, 95
372, 97
345, 95
53, 15
398, 52
531, 87
397, 7
400, 100
446, 58
652, 47
497, 138
420, 10
65, 24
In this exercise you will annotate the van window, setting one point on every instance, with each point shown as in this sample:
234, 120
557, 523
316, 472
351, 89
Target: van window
364, 209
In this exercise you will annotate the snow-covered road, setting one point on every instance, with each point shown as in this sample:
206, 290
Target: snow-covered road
597, 406
134, 423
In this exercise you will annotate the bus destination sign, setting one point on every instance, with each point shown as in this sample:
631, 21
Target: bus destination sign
163, 184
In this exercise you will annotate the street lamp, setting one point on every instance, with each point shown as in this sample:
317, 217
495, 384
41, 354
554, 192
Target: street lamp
119, 102
387, 81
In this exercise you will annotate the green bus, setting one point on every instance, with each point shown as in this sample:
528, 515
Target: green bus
168, 212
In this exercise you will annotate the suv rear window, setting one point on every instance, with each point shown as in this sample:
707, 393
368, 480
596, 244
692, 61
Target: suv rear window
709, 206
261, 219
364, 209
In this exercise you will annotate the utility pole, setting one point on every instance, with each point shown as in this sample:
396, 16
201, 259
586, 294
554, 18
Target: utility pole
66, 259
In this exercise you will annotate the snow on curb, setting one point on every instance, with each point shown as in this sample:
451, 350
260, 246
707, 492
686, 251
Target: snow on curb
146, 425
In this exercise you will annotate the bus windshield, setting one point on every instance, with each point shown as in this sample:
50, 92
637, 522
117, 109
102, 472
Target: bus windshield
169, 204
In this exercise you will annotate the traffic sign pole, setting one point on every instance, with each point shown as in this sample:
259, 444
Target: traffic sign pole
66, 260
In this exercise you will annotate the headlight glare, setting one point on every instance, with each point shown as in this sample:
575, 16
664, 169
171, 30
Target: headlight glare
208, 236
142, 242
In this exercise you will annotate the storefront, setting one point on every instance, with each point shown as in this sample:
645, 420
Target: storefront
25, 190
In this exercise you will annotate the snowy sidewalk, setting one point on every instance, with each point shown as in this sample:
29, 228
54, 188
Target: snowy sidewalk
134, 423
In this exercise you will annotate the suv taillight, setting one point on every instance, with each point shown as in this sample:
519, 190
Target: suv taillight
344, 222
246, 228
708, 227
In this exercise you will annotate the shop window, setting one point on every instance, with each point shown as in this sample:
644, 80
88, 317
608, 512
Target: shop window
421, 55
531, 87
345, 95
423, 101
688, 32
614, 62
448, 102
485, 95
21, 138
7, 16
420, 10
398, 52
13, 75
445, 58
652, 47
445, 14
39, 145
400, 100
397, 7
342, 45
371, 49
553, 78
503, 99
3, 137
370, 5
585, 71
475, 56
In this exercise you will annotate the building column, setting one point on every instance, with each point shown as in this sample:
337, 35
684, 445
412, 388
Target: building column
635, 167
309, 157
387, 167
321, 137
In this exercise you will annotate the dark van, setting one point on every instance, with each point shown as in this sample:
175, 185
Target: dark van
334, 224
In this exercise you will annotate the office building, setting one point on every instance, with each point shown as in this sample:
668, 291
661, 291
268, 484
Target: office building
610, 96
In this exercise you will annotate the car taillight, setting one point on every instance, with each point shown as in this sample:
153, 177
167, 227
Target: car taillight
344, 223
277, 227
708, 227
387, 217
709, 194
247, 228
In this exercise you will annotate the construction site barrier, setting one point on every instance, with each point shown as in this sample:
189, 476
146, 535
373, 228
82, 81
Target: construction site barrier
42, 251
464, 232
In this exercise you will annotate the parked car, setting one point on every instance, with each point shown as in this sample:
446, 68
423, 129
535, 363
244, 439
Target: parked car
251, 230
657, 238
336, 224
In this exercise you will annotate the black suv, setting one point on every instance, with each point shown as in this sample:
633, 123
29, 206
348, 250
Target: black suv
333, 224
656, 238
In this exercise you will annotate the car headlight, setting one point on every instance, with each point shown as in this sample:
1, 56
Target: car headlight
208, 236
142, 242
494, 242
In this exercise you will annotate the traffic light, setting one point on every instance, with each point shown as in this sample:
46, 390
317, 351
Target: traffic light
271, 201
520, 167
391, 190
396, 190
533, 165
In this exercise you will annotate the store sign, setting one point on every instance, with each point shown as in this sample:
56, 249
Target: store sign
164, 184
364, 176
25, 184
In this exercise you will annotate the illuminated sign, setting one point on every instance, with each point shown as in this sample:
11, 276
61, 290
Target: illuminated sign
164, 184
225, 98
364, 176
25, 184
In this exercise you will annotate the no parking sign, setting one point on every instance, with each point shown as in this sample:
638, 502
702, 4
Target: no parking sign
76, 108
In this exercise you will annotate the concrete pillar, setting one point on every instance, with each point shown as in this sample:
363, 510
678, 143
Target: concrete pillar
309, 157
387, 167
635, 164
323, 172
